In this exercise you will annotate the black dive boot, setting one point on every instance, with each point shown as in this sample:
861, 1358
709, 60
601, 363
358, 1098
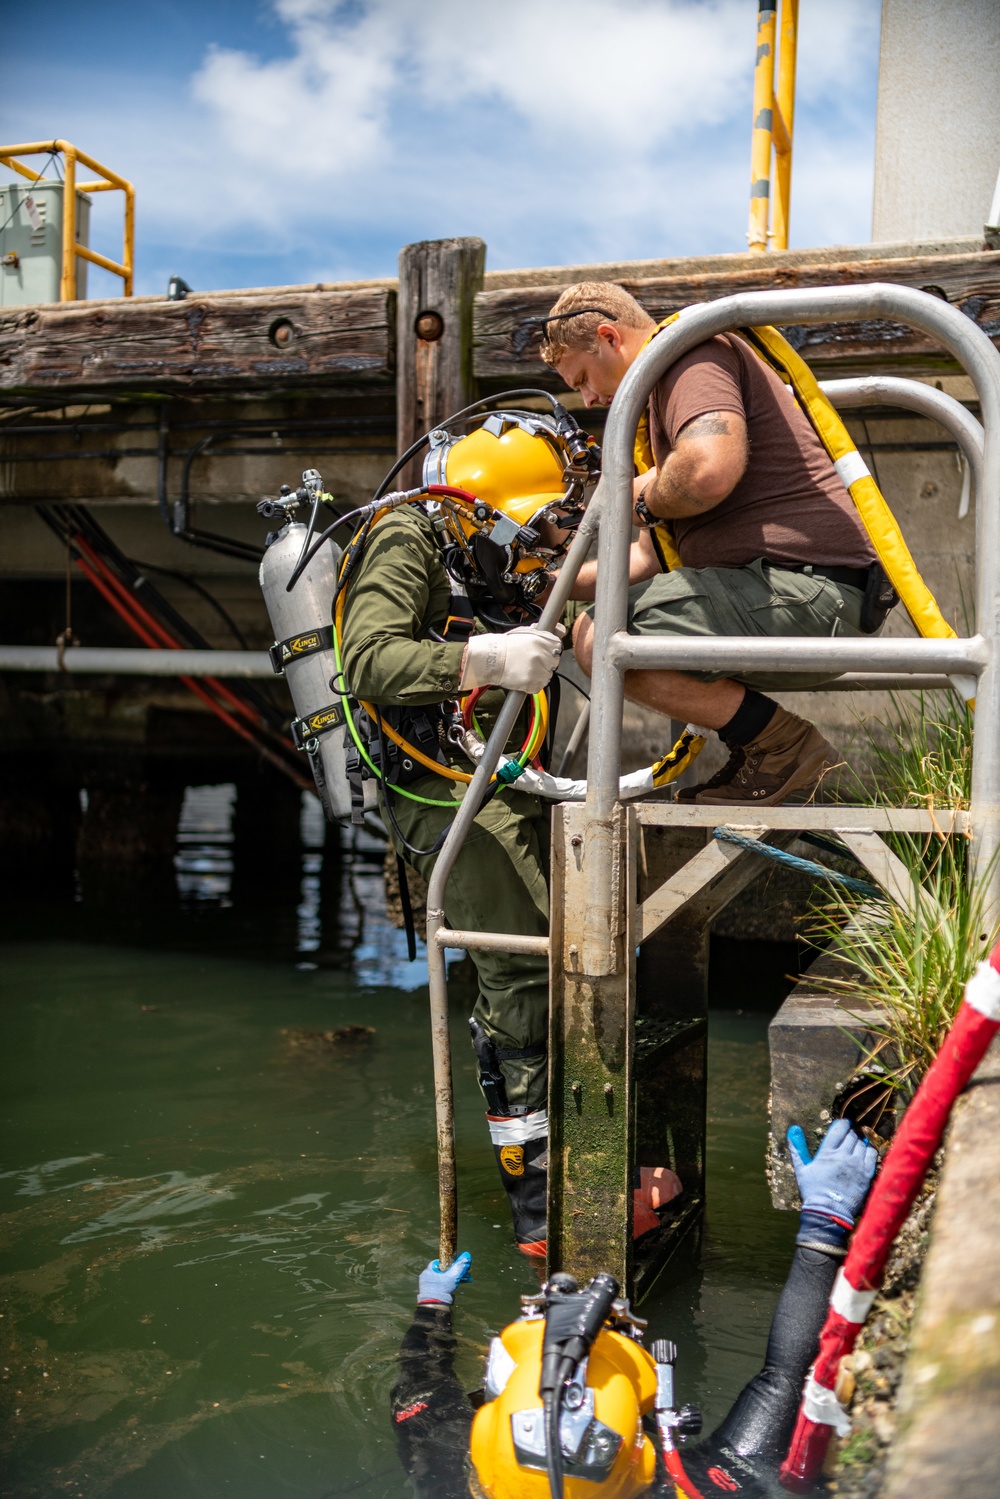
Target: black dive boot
521, 1145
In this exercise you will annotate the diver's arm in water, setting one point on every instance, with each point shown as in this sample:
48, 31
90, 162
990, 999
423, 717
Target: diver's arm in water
431, 1413
751, 1442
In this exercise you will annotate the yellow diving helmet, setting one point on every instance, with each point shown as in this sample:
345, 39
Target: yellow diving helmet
606, 1453
527, 476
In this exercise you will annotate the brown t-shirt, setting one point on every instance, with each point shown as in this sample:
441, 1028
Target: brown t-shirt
789, 506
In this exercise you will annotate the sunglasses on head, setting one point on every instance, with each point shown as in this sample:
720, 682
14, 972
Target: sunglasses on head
577, 312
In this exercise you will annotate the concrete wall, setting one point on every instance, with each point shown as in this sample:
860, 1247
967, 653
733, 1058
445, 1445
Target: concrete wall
937, 146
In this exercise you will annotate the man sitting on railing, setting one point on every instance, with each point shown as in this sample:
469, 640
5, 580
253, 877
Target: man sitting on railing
767, 536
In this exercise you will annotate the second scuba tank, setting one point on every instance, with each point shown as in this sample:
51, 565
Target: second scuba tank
303, 654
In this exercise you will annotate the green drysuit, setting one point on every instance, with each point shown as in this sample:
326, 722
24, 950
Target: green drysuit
499, 881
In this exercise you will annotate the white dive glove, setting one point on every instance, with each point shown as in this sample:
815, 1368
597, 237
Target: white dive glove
522, 660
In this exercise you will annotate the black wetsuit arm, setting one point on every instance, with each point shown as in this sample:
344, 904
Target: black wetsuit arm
431, 1414
751, 1442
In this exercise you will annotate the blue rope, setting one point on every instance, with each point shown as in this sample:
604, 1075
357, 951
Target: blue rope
804, 866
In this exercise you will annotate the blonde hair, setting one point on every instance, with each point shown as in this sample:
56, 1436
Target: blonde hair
612, 303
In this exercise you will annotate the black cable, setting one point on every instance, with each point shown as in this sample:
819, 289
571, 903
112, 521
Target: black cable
406, 908
552, 1402
553, 693
304, 560
226, 546
199, 588
570, 683
411, 452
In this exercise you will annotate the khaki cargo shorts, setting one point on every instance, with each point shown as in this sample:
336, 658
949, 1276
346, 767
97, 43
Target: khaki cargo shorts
760, 599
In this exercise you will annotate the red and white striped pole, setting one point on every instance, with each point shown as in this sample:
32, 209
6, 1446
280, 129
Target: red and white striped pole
892, 1196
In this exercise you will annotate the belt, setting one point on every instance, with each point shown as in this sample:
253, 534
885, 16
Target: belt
847, 577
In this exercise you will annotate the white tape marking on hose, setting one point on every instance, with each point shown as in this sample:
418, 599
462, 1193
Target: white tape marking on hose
982, 991
822, 1407
848, 1303
520, 1129
851, 468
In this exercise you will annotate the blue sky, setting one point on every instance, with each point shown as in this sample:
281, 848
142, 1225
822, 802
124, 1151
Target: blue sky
282, 141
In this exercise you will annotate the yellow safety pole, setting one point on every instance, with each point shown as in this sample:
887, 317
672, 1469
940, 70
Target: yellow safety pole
784, 123
763, 107
128, 248
67, 290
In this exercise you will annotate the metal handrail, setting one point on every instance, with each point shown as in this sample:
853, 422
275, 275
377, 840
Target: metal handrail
107, 182
610, 513
847, 395
612, 646
437, 973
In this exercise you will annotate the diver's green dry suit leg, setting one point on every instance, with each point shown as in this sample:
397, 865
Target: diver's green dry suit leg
499, 884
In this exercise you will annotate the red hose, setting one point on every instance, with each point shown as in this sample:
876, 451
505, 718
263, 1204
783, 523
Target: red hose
452, 491
674, 1466
146, 635
167, 640
892, 1196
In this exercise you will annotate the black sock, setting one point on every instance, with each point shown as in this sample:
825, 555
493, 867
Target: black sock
750, 719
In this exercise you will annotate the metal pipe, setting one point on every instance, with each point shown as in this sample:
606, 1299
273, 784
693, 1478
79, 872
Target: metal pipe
117, 661
892, 390
878, 681
760, 150
506, 942
67, 284
798, 653
102, 260
575, 740
974, 352
437, 974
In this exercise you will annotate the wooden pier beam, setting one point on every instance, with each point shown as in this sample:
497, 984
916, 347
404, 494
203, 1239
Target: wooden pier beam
438, 282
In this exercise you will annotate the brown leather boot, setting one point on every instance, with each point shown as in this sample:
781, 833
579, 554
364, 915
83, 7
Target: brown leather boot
789, 755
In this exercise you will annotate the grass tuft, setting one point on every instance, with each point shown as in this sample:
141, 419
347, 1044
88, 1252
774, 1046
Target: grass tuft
913, 964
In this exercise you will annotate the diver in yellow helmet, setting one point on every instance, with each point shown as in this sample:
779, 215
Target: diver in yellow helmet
433, 611
576, 1360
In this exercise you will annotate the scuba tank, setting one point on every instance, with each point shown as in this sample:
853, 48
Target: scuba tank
303, 654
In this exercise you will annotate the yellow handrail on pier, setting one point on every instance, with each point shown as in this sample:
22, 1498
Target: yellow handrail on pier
108, 181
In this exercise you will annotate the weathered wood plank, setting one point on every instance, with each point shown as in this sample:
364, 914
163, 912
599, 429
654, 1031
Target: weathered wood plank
201, 345
506, 343
438, 280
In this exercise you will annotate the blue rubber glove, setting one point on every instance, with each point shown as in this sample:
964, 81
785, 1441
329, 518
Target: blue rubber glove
833, 1185
438, 1286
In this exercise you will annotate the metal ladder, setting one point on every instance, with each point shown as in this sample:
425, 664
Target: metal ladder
597, 921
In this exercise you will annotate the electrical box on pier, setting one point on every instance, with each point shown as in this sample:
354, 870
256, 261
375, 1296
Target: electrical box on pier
31, 242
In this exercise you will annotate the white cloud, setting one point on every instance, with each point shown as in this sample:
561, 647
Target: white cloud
600, 77
563, 131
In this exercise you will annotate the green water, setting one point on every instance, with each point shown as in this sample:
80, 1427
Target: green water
211, 1234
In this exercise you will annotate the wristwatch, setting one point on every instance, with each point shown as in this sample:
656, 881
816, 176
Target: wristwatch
643, 513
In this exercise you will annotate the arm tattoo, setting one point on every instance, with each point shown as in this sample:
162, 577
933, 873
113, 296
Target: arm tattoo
712, 424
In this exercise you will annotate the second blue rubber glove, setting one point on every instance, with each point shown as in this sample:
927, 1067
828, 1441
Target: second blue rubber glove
439, 1286
834, 1183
